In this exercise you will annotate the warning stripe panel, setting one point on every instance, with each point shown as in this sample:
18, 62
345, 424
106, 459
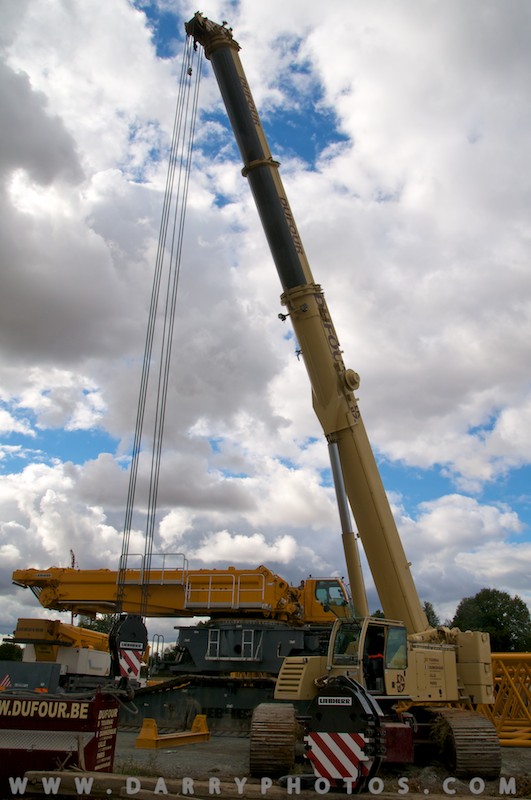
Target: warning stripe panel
354, 742
338, 755
326, 757
5, 683
130, 663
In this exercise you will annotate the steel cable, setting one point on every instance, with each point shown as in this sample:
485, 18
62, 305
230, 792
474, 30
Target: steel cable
175, 199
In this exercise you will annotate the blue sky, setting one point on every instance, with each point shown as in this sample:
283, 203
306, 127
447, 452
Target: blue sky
402, 133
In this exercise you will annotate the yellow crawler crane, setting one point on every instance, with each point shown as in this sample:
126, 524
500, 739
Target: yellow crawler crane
183, 592
386, 685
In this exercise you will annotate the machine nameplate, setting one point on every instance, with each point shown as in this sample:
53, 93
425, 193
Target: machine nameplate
335, 701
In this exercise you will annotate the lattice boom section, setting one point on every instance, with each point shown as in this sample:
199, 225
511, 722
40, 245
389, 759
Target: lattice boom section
511, 711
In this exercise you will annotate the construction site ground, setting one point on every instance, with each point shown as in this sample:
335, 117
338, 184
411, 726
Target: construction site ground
220, 767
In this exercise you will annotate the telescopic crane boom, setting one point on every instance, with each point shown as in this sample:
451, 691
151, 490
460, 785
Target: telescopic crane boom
333, 385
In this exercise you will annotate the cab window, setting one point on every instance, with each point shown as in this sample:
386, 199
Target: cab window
346, 644
396, 649
329, 593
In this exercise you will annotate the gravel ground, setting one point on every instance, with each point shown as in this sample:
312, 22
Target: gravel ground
227, 758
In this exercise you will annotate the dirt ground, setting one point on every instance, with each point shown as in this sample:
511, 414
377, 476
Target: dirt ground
227, 758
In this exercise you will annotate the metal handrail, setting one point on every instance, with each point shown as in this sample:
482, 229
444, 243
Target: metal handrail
146, 575
235, 591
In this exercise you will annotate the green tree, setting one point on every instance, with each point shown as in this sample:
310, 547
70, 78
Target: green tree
102, 624
433, 619
10, 652
505, 618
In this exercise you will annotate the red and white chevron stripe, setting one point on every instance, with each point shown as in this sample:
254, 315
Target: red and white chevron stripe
5, 683
338, 756
130, 663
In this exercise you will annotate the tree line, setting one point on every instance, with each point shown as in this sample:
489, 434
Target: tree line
506, 619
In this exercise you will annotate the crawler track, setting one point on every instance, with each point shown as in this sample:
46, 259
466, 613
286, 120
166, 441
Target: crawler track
469, 742
273, 739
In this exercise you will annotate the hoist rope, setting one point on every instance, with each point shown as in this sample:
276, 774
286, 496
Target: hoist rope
168, 259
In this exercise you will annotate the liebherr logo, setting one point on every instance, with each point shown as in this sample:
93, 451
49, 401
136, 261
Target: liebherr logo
335, 701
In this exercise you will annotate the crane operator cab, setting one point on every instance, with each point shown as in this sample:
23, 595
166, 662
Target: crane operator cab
323, 599
374, 651
330, 592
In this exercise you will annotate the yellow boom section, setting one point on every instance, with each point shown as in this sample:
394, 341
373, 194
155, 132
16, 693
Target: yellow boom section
53, 632
185, 593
